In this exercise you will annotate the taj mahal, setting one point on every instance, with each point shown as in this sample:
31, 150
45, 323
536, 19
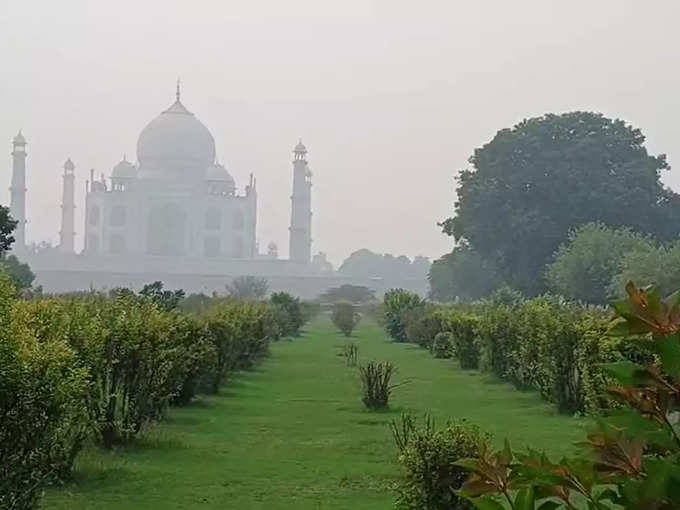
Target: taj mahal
175, 215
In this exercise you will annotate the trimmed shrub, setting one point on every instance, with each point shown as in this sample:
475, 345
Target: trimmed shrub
133, 364
239, 332
287, 312
422, 326
376, 383
546, 344
41, 417
442, 347
195, 359
429, 458
106, 366
399, 303
463, 328
309, 309
629, 458
42, 412
345, 317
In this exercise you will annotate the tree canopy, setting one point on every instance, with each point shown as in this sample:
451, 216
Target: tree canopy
367, 264
166, 300
248, 287
585, 266
532, 184
7, 226
659, 266
462, 274
21, 275
348, 292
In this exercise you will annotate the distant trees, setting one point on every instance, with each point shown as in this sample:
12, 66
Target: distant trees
347, 292
367, 264
462, 274
533, 183
248, 287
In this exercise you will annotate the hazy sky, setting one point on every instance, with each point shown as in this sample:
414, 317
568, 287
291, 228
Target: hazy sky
390, 97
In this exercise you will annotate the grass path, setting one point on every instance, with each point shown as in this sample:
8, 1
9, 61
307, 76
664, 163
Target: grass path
293, 434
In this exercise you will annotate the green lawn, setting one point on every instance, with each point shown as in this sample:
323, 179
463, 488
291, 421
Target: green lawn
293, 434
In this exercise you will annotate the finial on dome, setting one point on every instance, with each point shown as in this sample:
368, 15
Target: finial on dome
177, 91
300, 147
125, 156
19, 139
68, 165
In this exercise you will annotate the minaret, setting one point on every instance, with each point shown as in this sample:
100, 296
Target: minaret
67, 234
17, 204
301, 216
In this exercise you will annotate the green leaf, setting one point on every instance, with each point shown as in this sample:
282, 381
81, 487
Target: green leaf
623, 371
669, 352
506, 454
549, 505
469, 464
620, 328
623, 308
654, 303
608, 494
486, 503
525, 499
653, 433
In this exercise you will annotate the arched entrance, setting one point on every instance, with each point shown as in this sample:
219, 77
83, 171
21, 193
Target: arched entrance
166, 234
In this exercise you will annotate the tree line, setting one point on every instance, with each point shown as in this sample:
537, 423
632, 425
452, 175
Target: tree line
534, 187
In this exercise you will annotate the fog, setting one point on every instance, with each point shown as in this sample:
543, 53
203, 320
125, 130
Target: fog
390, 97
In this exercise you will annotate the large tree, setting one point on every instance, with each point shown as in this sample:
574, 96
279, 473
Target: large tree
535, 182
462, 275
7, 226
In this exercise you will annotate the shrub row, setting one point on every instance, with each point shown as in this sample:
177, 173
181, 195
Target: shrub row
105, 367
428, 456
545, 343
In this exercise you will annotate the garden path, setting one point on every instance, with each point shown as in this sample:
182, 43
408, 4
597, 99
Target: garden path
293, 435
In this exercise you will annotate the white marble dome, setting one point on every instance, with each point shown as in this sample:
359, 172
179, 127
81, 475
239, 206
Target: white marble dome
217, 172
219, 179
175, 141
124, 170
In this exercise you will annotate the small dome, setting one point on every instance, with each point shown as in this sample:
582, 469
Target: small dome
68, 165
124, 170
175, 141
19, 139
217, 172
219, 180
300, 147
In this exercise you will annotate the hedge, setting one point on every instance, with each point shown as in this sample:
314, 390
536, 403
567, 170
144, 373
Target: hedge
104, 368
546, 344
